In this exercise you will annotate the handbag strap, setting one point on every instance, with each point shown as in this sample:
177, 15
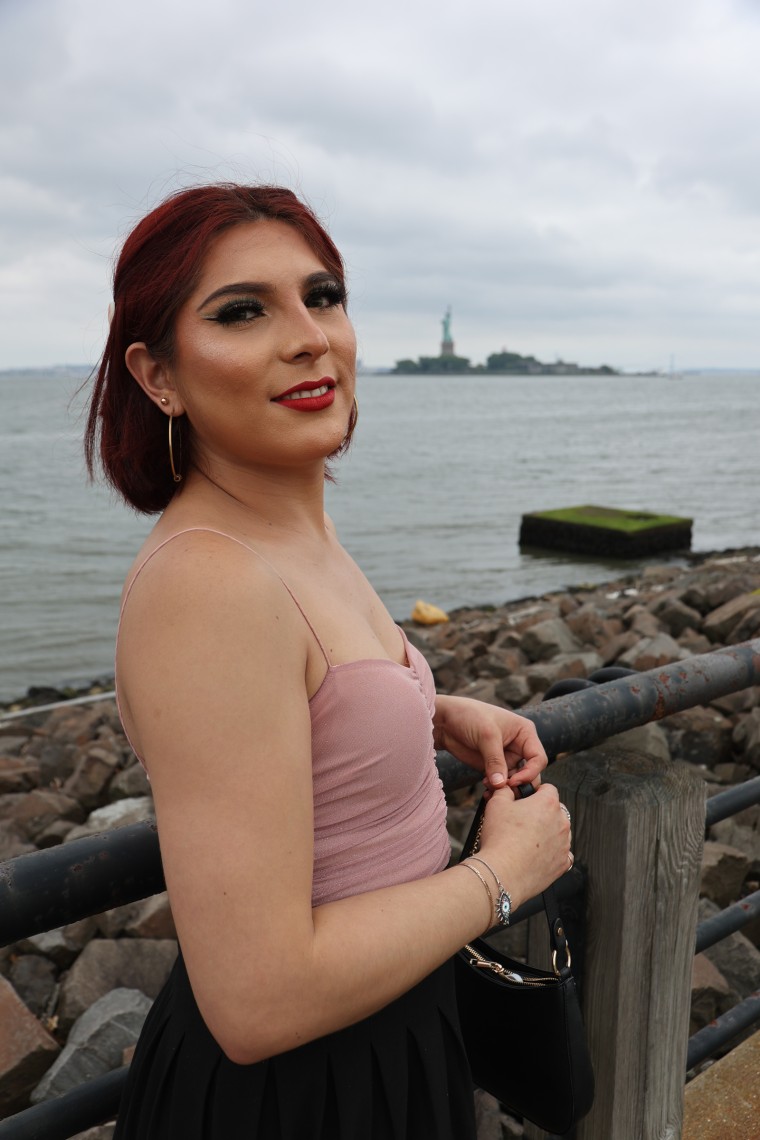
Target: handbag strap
560, 949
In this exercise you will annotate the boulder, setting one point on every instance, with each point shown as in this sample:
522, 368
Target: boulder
61, 946
724, 870
106, 964
720, 623
513, 691
648, 739
34, 980
96, 1042
131, 783
92, 775
148, 918
746, 737
710, 993
653, 652
31, 812
117, 814
26, 1051
643, 622
546, 639
700, 736
735, 956
17, 774
677, 617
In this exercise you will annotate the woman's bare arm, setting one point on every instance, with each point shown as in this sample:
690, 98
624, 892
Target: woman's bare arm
212, 665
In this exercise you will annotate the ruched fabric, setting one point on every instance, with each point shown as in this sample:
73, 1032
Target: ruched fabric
400, 1074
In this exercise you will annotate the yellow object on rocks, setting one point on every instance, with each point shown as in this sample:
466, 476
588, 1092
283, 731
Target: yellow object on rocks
426, 614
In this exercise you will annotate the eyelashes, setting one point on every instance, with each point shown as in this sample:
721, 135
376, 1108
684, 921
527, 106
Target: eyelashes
237, 312
327, 295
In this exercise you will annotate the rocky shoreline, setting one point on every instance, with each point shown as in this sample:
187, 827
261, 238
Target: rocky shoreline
72, 1000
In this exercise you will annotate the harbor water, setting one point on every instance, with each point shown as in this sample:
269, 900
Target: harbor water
428, 501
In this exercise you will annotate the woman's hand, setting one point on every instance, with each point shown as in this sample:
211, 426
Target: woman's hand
527, 841
500, 744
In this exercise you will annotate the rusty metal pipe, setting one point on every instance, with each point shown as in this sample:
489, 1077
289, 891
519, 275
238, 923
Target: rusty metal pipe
580, 720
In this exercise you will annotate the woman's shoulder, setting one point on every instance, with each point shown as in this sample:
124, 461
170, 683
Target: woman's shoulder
200, 561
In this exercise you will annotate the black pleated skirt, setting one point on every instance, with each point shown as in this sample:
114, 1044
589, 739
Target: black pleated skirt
400, 1074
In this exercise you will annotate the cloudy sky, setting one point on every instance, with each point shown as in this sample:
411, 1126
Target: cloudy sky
576, 178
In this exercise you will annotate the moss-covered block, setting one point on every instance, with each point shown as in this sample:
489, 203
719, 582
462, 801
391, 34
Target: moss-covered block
605, 531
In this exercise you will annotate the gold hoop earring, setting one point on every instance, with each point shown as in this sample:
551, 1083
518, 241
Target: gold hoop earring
175, 474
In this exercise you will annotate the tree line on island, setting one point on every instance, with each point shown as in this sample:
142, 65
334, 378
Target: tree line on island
498, 363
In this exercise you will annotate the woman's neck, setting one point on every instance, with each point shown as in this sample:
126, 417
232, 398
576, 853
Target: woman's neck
287, 502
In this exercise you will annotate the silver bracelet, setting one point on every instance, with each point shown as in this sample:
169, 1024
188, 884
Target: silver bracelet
504, 900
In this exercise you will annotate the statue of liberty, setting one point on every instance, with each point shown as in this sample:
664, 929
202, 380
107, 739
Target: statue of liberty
447, 344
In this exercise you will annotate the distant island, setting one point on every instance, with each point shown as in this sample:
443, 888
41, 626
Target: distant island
498, 363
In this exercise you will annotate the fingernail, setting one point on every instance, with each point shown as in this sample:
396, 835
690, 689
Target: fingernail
497, 779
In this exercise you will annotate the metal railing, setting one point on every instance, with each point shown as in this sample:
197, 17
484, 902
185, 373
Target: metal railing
46, 889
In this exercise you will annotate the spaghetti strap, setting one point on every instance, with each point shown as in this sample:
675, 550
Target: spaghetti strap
250, 549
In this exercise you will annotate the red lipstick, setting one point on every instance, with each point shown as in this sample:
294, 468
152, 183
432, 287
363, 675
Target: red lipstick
299, 400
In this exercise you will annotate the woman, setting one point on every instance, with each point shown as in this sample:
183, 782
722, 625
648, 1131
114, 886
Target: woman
287, 726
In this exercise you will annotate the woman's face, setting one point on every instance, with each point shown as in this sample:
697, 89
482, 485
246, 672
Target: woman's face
264, 353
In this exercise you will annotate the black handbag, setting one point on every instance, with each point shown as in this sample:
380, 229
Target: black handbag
522, 1027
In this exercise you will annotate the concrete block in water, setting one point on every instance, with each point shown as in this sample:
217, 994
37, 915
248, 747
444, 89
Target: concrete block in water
605, 531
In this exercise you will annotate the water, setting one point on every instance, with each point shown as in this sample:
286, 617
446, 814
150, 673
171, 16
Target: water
428, 501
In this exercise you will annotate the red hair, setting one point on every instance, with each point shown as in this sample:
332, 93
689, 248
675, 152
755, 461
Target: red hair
157, 270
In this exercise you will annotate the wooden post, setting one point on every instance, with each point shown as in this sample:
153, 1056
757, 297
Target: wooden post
638, 829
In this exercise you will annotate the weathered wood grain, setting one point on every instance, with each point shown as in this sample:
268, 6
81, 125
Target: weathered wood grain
638, 829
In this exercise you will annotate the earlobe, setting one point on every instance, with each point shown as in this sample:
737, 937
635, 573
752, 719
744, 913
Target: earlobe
153, 377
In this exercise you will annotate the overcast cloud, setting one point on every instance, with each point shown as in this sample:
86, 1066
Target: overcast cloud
577, 178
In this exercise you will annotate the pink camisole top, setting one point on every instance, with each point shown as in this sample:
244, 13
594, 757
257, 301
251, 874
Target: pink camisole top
379, 808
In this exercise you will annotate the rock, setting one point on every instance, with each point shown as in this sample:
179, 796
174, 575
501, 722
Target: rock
12, 843
746, 737
105, 964
61, 946
481, 690
653, 652
130, 783
735, 956
699, 736
724, 870
117, 814
695, 642
100, 1132
740, 837
93, 773
644, 623
731, 773
96, 1042
513, 691
17, 774
26, 1051
487, 1116
649, 739
148, 918
34, 980
546, 639
677, 617
710, 993
541, 675
588, 624
720, 623
501, 662
709, 591
611, 650
31, 812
